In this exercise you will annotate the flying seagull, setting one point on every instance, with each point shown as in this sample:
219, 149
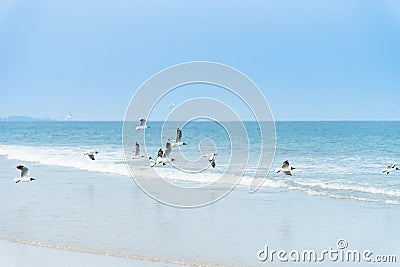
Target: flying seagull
159, 160
168, 149
162, 157
286, 168
178, 138
137, 152
91, 154
152, 162
160, 153
171, 105
390, 168
211, 158
142, 125
24, 175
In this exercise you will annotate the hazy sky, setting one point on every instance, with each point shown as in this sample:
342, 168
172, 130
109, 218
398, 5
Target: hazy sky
313, 60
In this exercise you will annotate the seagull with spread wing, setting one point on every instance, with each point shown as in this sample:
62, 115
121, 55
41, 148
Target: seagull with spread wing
142, 125
211, 158
91, 154
286, 168
178, 139
137, 152
390, 168
24, 175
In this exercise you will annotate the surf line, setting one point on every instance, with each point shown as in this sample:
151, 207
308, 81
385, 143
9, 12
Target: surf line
111, 253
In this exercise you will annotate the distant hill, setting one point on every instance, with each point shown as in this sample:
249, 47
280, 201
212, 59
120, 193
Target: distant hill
24, 118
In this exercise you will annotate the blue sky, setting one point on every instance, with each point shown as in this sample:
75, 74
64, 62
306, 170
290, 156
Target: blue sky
313, 60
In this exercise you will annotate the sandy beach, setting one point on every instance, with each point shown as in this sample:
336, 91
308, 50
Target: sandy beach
20, 255
107, 213
199, 133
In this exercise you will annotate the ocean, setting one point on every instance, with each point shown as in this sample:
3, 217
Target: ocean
95, 206
335, 159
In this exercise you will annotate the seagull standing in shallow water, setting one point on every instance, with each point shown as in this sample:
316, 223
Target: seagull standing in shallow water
390, 168
142, 125
178, 139
211, 158
286, 168
24, 175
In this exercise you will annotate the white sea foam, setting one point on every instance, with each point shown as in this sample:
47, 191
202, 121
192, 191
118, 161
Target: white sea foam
111, 160
364, 199
312, 192
68, 157
356, 188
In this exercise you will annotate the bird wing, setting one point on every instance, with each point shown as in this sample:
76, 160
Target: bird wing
160, 153
137, 151
213, 163
142, 122
391, 166
159, 160
178, 135
24, 172
168, 149
285, 164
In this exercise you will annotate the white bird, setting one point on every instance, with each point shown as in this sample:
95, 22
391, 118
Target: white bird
171, 105
162, 157
211, 158
286, 168
159, 160
390, 168
91, 154
152, 162
137, 152
24, 175
142, 125
168, 149
178, 139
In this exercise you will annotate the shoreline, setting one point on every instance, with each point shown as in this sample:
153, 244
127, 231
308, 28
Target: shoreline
87, 215
272, 181
72, 256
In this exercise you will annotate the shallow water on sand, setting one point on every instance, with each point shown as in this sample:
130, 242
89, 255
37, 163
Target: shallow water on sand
94, 206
